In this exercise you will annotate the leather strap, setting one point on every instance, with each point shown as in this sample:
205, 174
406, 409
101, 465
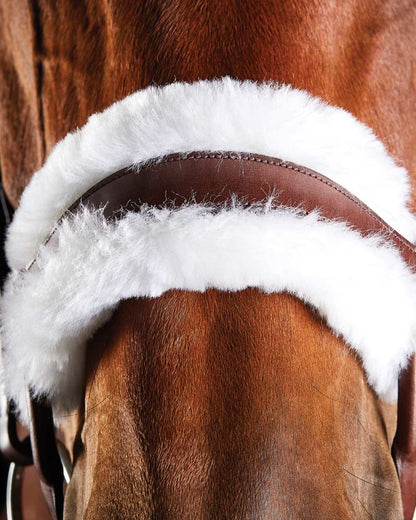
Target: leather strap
404, 444
215, 178
46, 456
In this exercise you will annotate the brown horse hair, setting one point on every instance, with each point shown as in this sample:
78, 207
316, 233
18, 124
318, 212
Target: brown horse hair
215, 405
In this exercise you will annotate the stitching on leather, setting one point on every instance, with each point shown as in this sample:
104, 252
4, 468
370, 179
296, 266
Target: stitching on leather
283, 164
234, 157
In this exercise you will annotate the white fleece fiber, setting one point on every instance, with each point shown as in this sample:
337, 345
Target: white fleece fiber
221, 115
360, 286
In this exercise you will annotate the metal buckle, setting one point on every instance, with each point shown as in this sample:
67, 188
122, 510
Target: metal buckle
40, 449
18, 453
14, 492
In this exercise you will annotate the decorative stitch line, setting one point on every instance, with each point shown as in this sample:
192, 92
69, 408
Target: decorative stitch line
231, 156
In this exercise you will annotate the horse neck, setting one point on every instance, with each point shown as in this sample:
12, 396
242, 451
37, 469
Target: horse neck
338, 52
221, 405
195, 405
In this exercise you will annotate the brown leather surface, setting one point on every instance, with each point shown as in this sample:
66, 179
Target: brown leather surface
213, 177
45, 455
404, 444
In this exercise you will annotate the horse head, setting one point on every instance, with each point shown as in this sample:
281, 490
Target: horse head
207, 283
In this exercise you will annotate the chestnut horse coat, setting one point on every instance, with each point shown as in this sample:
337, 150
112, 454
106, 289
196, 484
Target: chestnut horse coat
215, 404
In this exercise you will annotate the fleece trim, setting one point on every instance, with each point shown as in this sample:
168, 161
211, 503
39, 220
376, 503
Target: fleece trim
212, 116
359, 285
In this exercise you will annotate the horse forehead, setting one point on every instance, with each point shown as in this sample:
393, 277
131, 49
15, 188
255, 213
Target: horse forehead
195, 388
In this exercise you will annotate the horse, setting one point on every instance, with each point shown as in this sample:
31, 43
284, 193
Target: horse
225, 399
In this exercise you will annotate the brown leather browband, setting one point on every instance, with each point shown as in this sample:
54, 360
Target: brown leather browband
217, 177
214, 178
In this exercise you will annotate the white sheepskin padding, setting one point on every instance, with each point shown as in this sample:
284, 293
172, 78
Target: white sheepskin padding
222, 115
359, 285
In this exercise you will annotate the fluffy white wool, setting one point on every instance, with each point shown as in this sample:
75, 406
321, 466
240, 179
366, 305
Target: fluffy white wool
359, 285
217, 115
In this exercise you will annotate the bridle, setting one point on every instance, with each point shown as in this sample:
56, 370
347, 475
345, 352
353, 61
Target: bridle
218, 178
